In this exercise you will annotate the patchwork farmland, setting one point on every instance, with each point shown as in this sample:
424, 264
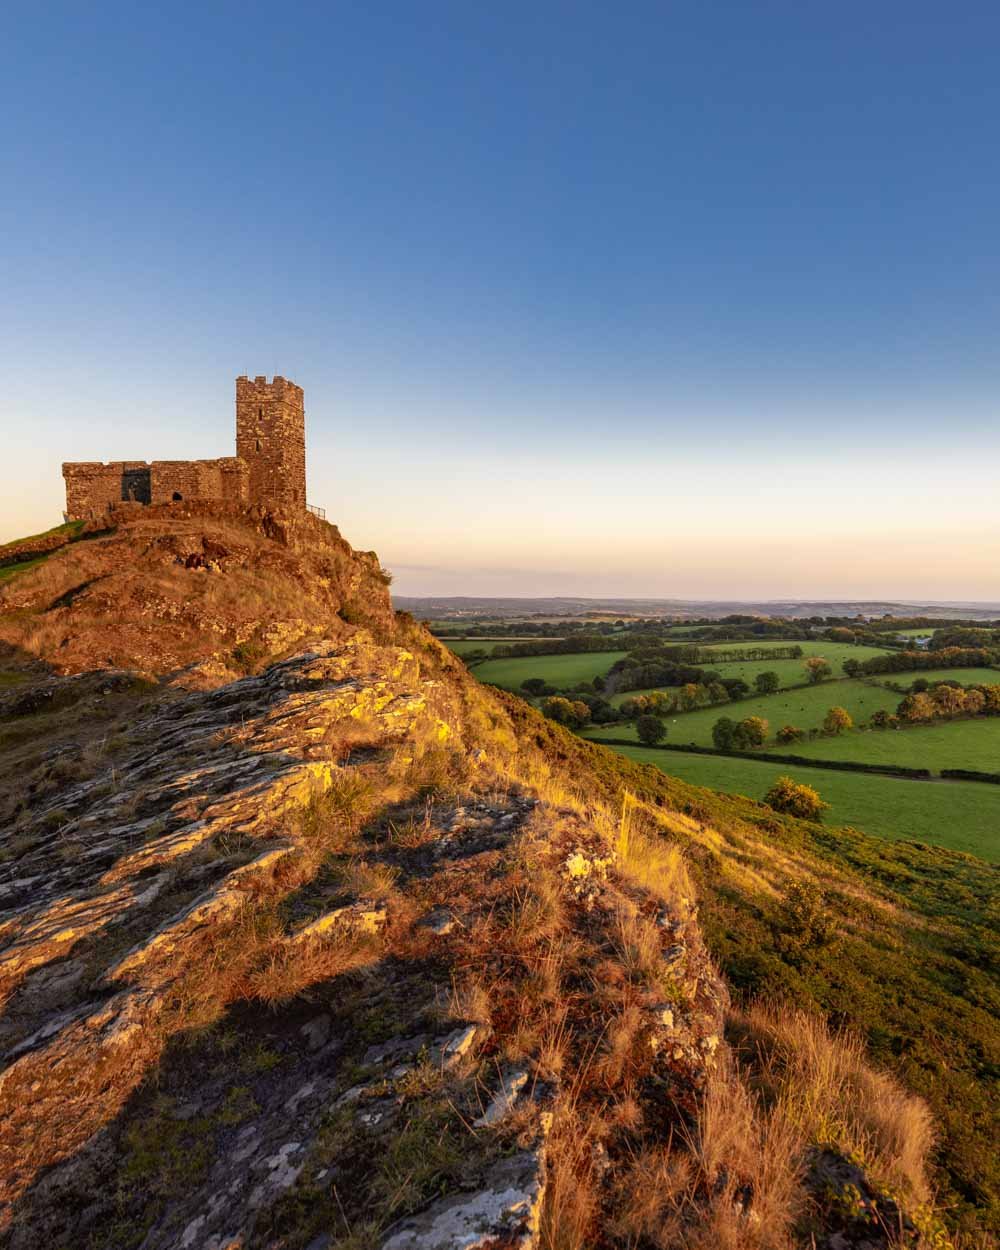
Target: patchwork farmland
847, 761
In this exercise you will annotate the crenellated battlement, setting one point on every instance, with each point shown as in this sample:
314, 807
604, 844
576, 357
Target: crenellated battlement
269, 466
277, 383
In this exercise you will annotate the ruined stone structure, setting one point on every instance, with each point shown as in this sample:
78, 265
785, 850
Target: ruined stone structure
271, 440
269, 466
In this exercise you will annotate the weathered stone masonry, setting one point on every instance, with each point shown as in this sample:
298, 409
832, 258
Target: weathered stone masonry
271, 439
269, 465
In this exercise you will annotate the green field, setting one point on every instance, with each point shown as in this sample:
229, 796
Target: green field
971, 744
959, 815
462, 646
835, 652
804, 708
790, 672
559, 670
924, 632
967, 676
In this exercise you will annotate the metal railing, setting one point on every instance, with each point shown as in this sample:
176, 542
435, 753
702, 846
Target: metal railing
320, 512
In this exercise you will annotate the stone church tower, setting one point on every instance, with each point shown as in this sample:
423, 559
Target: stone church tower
269, 467
271, 439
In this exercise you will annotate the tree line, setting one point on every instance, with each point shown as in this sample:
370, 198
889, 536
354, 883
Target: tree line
907, 661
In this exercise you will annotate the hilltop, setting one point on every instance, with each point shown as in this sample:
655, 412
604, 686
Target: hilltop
310, 940
196, 592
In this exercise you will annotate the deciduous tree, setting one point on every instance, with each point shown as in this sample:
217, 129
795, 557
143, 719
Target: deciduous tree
722, 733
650, 730
817, 669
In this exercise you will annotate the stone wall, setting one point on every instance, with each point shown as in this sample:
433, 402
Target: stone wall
93, 489
269, 466
225, 478
271, 440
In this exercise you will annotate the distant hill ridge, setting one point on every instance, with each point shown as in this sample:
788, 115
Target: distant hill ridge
433, 606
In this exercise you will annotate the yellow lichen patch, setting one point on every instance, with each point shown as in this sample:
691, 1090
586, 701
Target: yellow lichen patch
577, 866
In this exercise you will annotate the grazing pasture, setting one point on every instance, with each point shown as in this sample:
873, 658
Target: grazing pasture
959, 815
973, 744
967, 676
835, 652
560, 670
790, 672
804, 708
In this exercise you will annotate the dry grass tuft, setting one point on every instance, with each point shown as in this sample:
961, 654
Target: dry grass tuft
330, 821
286, 969
637, 944
735, 1184
644, 857
822, 1082
571, 1195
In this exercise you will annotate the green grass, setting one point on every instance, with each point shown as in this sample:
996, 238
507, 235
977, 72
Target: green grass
967, 676
925, 632
8, 571
804, 707
559, 670
835, 652
462, 646
958, 815
790, 672
947, 744
68, 527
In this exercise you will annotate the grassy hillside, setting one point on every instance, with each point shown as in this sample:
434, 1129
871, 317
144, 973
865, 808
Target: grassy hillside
911, 964
330, 909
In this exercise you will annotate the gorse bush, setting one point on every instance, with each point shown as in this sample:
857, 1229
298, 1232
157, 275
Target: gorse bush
807, 919
794, 799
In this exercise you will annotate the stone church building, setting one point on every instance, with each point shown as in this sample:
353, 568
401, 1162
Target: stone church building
269, 466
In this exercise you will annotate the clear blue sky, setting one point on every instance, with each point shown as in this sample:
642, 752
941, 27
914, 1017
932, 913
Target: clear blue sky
678, 299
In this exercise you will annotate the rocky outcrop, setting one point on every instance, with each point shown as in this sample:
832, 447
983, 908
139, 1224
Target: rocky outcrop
202, 804
311, 954
195, 591
504, 1214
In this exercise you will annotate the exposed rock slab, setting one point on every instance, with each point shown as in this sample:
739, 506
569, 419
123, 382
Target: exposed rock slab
503, 1215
